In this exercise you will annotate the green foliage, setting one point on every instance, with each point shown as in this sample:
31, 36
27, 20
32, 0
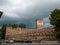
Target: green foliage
54, 16
57, 29
3, 31
14, 26
55, 21
22, 25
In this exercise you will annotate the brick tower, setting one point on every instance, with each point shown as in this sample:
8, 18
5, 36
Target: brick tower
39, 24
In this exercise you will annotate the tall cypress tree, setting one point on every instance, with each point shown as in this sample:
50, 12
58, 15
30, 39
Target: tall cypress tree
3, 32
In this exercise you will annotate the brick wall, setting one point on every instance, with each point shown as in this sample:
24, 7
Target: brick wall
18, 33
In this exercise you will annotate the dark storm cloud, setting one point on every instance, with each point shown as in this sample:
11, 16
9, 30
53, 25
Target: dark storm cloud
27, 11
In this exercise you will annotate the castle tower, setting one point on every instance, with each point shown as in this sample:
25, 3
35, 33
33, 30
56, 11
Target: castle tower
39, 24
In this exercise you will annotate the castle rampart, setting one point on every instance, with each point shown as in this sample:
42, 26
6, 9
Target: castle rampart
29, 34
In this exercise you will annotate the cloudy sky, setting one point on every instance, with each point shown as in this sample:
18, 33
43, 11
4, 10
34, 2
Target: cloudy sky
27, 11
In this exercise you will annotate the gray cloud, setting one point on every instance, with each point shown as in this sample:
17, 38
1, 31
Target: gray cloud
27, 11
3, 2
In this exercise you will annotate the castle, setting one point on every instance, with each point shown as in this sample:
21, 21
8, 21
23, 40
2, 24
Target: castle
30, 34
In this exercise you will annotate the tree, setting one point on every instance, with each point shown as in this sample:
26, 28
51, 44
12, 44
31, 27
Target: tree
14, 25
55, 21
1, 13
22, 26
3, 31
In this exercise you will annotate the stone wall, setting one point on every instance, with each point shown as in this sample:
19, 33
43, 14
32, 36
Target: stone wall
29, 34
